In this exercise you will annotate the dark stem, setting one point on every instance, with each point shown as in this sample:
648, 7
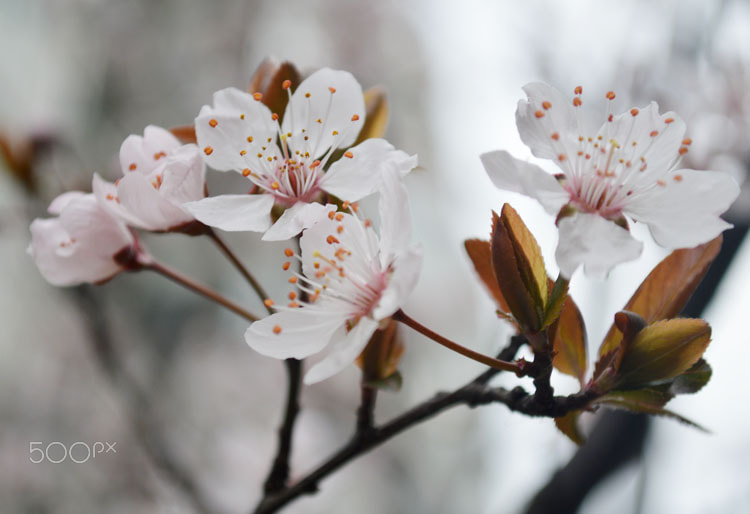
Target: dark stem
466, 352
279, 474
175, 276
473, 394
240, 267
366, 411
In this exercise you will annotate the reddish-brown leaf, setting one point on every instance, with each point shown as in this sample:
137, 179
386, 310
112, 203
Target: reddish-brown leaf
376, 118
480, 253
667, 289
570, 342
568, 425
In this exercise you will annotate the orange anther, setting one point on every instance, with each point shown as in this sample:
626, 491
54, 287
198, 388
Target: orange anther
683, 150
315, 164
286, 84
274, 116
340, 229
132, 166
661, 183
687, 141
275, 186
277, 329
331, 89
654, 133
213, 122
610, 95
292, 280
634, 111
249, 139
368, 223
288, 252
546, 105
577, 102
307, 95
355, 117
316, 265
243, 152
349, 155
335, 133
332, 239
677, 178
539, 114
292, 295
258, 96
208, 150
668, 120
159, 155
611, 117
331, 214
294, 305
110, 196
246, 172
555, 136
267, 302
339, 216
561, 157
578, 90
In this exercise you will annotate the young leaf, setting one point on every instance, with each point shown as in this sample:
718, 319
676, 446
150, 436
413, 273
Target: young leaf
661, 351
692, 380
510, 280
667, 289
379, 360
480, 254
376, 118
645, 408
570, 342
568, 425
528, 255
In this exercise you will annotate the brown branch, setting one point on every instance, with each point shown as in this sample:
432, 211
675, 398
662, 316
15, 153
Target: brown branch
473, 394
366, 410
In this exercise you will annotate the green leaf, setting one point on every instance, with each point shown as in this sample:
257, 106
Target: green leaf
661, 351
557, 297
645, 408
568, 425
692, 380
667, 289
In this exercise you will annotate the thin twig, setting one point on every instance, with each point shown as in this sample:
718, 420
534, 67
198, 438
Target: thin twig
472, 394
366, 410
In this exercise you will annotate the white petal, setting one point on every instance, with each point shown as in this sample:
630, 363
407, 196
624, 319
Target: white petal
511, 174
685, 213
302, 333
61, 201
343, 351
46, 237
559, 116
141, 199
294, 220
183, 176
142, 153
594, 242
313, 101
234, 213
107, 196
236, 123
356, 177
395, 219
405, 274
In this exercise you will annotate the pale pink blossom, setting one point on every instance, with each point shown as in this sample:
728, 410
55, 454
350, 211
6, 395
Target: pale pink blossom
158, 175
79, 244
628, 169
288, 163
354, 278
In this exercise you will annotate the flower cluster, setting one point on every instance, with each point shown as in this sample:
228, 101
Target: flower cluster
308, 166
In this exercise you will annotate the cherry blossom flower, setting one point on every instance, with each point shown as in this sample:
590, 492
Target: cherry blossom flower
354, 280
80, 244
288, 161
628, 169
159, 175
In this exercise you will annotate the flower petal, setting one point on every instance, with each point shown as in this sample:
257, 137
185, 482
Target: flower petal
294, 220
236, 123
345, 348
328, 108
594, 242
183, 176
142, 200
292, 334
62, 200
395, 219
233, 213
143, 153
511, 174
107, 196
405, 274
684, 212
353, 178
545, 112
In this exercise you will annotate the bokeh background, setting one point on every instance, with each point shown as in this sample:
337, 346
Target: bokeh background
78, 76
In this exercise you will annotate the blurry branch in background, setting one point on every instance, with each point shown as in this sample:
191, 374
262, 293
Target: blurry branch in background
139, 410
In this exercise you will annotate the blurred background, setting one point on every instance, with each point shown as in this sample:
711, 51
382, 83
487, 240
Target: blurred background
78, 76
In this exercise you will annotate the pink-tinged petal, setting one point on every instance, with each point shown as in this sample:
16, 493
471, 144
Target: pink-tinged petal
233, 131
544, 113
46, 237
401, 283
395, 219
594, 242
143, 154
233, 213
61, 201
344, 349
292, 334
683, 209
327, 101
142, 200
511, 174
183, 176
107, 196
294, 220
358, 173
